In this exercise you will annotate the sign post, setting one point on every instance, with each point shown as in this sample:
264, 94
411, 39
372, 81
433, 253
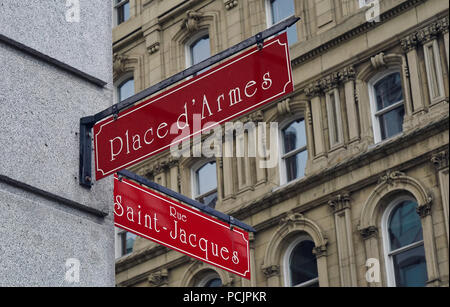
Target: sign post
165, 221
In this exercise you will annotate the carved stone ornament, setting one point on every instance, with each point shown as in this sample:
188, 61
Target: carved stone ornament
330, 82
192, 20
119, 61
425, 209
320, 251
440, 160
291, 218
368, 232
229, 4
378, 61
390, 176
159, 278
271, 270
341, 202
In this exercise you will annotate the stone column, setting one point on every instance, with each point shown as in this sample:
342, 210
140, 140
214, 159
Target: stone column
313, 92
350, 103
346, 252
370, 237
409, 45
272, 274
440, 162
424, 211
322, 267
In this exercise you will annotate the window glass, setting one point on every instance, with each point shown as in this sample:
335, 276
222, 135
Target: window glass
282, 9
303, 263
126, 89
407, 253
391, 123
388, 91
214, 282
123, 11
405, 226
295, 154
411, 268
130, 238
294, 136
296, 165
200, 50
206, 184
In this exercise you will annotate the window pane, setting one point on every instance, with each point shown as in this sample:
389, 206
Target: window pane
296, 165
215, 282
282, 9
294, 136
411, 268
303, 263
391, 123
405, 226
123, 12
126, 90
206, 178
130, 238
388, 91
200, 50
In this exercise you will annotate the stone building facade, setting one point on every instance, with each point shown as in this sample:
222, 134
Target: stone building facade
56, 67
360, 198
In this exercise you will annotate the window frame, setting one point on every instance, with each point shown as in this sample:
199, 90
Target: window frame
208, 277
283, 156
388, 252
194, 180
269, 18
286, 264
117, 7
375, 114
435, 54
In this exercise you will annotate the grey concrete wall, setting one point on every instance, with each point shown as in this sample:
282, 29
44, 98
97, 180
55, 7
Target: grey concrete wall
46, 217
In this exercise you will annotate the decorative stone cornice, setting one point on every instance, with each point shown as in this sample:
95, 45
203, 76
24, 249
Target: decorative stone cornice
355, 32
389, 177
158, 279
369, 232
340, 202
192, 21
425, 35
424, 210
271, 270
409, 42
320, 251
229, 4
329, 82
440, 160
160, 166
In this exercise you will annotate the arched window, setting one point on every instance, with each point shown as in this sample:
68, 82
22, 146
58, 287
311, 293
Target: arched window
403, 244
277, 10
125, 89
387, 104
300, 264
205, 183
294, 154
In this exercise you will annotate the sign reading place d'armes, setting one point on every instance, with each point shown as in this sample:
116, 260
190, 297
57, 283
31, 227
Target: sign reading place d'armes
231, 89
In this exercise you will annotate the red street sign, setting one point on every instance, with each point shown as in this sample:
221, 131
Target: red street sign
238, 86
158, 218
